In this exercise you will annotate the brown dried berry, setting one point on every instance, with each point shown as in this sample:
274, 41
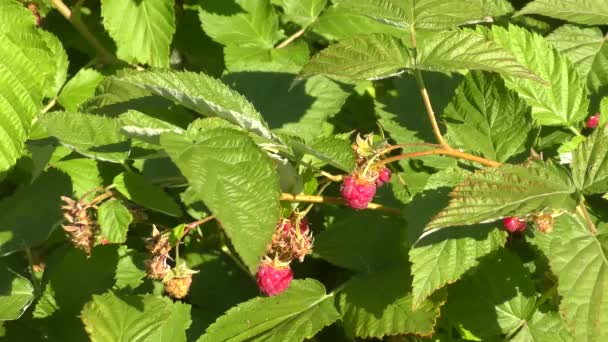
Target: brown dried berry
544, 223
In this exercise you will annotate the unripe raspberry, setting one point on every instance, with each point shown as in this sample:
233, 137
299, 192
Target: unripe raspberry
513, 224
357, 192
178, 286
544, 223
593, 121
384, 176
273, 277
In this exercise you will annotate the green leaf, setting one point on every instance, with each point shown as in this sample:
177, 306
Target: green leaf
236, 180
371, 311
587, 49
79, 88
130, 270
59, 60
144, 38
467, 49
495, 298
303, 12
259, 26
58, 308
139, 190
29, 215
422, 14
93, 136
27, 68
579, 260
443, 257
564, 102
373, 56
248, 58
114, 220
295, 315
350, 242
589, 163
543, 326
109, 317
509, 190
174, 330
204, 95
337, 23
83, 172
486, 117
16, 296
589, 12
332, 150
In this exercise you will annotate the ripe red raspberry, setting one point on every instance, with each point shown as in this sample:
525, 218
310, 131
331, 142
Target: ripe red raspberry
384, 176
593, 121
273, 278
357, 192
513, 224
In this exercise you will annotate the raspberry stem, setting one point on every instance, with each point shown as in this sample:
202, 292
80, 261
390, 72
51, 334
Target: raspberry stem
582, 209
333, 200
443, 151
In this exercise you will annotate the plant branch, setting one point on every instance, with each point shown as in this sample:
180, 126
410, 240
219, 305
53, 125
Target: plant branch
75, 20
443, 151
195, 224
333, 200
291, 38
429, 109
398, 146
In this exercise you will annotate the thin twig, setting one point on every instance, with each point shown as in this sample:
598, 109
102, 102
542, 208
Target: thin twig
443, 151
333, 178
394, 147
195, 224
291, 38
429, 109
74, 19
333, 200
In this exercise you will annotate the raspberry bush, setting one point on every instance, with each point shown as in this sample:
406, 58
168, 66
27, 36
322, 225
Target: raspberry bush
303, 170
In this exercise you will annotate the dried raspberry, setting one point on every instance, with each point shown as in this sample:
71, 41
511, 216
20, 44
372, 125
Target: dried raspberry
544, 223
287, 243
273, 277
513, 224
358, 192
384, 176
178, 286
593, 121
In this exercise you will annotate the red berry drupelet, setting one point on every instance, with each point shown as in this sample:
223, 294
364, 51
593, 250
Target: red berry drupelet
273, 277
384, 176
513, 224
358, 192
593, 121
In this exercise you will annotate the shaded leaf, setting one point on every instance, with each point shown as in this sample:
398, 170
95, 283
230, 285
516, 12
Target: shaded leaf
139, 190
16, 294
114, 220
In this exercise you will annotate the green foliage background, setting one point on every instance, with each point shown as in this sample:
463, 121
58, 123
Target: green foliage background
187, 109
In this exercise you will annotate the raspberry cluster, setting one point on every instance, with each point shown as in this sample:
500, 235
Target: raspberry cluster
359, 188
292, 240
